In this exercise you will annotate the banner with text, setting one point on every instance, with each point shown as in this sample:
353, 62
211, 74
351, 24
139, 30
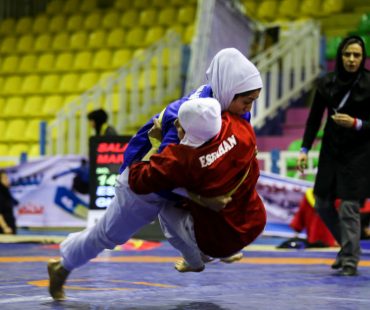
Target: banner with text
52, 192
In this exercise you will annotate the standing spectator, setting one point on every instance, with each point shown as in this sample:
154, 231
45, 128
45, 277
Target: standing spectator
7, 202
343, 169
99, 121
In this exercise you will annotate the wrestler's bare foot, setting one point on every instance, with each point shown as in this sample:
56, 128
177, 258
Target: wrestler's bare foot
233, 258
183, 266
57, 277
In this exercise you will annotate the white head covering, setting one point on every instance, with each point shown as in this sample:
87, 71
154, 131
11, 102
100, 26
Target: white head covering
231, 73
201, 120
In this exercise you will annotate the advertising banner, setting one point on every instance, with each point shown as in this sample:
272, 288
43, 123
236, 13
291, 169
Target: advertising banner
52, 192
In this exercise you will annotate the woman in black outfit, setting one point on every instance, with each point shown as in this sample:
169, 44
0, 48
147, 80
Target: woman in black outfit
343, 169
7, 202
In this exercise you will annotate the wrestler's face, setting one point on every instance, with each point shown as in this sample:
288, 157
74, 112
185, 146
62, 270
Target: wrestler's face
243, 104
352, 57
180, 130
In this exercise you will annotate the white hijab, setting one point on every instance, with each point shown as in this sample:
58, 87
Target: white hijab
201, 120
231, 73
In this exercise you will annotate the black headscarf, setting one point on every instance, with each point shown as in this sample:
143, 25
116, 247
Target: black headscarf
99, 117
337, 84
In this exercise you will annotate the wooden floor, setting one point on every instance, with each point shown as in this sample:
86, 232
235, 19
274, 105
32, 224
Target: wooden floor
140, 275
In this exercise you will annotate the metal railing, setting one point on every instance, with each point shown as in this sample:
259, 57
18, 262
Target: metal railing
129, 95
287, 69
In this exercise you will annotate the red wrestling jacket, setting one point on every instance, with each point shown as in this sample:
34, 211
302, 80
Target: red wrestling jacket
216, 168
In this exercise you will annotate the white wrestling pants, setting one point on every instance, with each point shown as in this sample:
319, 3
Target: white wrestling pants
127, 213
178, 227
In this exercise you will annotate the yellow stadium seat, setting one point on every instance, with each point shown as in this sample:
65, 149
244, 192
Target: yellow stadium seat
288, 9
92, 21
3, 124
42, 42
129, 18
34, 150
147, 76
250, 7
8, 44
167, 16
1, 86
7, 26
31, 84
33, 106
104, 77
45, 62
71, 6
40, 24
69, 99
88, 5
2, 104
25, 44
17, 148
179, 29
23, 26
310, 8
13, 106
188, 34
15, 129
10, 64
121, 57
50, 83
82, 61
96, 39
186, 15
4, 150
60, 41
180, 3
267, 10
57, 23
75, 22
135, 37
52, 105
78, 40
54, 7
122, 5
159, 3
116, 38
27, 63
332, 6
148, 17
64, 61
87, 81
110, 20
140, 4
11, 85
32, 133
68, 83
153, 35
102, 59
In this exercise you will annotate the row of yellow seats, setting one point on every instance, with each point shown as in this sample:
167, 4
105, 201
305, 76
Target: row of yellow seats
81, 40
97, 20
103, 59
65, 61
50, 83
32, 106
269, 10
15, 149
20, 130
72, 6
69, 82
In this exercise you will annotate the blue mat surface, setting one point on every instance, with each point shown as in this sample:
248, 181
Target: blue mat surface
266, 278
